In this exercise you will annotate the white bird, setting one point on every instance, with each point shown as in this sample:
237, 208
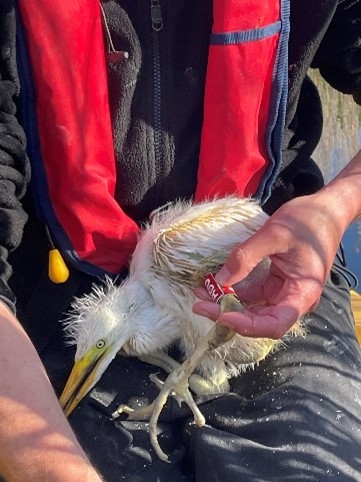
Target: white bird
152, 309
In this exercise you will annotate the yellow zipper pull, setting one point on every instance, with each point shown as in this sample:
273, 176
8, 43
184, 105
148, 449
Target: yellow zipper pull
57, 269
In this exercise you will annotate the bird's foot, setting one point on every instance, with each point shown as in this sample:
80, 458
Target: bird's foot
175, 385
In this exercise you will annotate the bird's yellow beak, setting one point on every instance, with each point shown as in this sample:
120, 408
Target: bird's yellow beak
82, 378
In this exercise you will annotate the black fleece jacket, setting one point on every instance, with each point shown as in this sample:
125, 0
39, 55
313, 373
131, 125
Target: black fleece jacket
14, 165
325, 34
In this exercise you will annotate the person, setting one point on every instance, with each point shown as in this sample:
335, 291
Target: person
161, 123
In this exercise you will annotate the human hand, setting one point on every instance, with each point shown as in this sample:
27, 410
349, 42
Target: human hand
301, 240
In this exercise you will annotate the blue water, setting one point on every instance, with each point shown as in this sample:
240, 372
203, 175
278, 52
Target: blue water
352, 238
340, 141
352, 247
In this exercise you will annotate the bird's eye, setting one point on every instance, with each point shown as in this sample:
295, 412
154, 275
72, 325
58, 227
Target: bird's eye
100, 344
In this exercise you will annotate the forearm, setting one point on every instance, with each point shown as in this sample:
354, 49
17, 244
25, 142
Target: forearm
343, 193
36, 441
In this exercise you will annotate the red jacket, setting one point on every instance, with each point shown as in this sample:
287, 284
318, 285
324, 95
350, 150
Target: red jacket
76, 175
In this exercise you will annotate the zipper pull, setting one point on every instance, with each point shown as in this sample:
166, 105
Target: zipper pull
57, 269
156, 15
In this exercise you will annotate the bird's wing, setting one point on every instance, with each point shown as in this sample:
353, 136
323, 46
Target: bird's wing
191, 241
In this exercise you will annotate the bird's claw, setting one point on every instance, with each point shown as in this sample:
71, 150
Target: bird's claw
138, 414
121, 409
157, 381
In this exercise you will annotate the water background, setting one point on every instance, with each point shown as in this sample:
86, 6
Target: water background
341, 140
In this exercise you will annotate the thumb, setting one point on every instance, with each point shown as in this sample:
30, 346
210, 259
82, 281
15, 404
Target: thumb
242, 260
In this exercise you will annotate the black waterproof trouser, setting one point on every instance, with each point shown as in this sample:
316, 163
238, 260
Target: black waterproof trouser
294, 417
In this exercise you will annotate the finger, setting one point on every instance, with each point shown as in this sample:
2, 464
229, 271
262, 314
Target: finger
314, 305
244, 258
258, 322
271, 324
202, 293
272, 321
208, 309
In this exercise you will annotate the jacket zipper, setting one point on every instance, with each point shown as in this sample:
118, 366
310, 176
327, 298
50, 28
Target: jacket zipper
157, 25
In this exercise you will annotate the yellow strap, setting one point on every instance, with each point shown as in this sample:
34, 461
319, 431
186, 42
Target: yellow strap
356, 308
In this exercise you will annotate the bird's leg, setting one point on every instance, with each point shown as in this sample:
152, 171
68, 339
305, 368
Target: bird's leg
177, 372
198, 384
177, 382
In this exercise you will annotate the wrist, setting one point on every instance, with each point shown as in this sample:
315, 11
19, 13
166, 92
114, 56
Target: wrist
342, 196
343, 193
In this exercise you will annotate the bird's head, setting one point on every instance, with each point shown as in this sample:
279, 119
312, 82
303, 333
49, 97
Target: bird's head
110, 318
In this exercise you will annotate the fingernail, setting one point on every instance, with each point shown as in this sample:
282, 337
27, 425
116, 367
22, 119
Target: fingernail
223, 276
